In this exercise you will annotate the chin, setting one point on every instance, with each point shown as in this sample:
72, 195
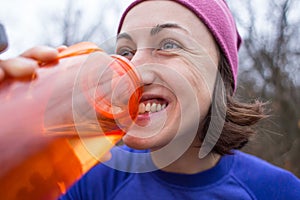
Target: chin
136, 143
142, 143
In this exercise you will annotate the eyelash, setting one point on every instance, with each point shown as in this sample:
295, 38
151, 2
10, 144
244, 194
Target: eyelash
169, 41
129, 52
126, 50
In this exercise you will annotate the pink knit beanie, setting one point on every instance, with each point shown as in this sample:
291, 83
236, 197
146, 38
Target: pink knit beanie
217, 17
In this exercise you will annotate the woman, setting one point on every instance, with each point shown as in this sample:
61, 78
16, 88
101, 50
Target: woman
183, 144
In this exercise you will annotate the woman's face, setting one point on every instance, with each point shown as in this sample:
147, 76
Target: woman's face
177, 58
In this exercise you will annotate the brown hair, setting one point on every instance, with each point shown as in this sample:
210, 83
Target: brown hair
239, 118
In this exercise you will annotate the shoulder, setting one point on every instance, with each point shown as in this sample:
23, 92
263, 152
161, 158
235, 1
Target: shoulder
264, 180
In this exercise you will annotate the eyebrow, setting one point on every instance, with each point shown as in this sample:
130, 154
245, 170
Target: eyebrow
160, 27
124, 35
155, 30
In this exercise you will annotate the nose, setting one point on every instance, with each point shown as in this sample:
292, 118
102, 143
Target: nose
142, 60
142, 56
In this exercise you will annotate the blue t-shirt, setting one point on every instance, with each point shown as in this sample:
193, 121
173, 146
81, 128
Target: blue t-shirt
238, 176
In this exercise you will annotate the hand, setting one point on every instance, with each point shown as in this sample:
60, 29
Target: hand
26, 64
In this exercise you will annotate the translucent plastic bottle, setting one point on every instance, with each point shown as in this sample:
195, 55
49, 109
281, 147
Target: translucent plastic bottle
58, 123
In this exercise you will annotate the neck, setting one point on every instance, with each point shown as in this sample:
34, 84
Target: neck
188, 163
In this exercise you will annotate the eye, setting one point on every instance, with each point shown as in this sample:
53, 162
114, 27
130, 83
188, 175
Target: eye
169, 45
126, 52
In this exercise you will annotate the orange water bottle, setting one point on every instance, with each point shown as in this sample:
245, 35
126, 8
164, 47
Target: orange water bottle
58, 124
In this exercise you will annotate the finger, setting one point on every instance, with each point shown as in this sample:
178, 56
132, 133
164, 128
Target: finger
19, 67
61, 48
43, 54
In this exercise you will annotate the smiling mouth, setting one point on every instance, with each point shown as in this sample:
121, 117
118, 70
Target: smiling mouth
152, 106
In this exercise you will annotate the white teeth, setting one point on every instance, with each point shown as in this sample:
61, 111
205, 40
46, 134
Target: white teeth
142, 108
158, 107
154, 107
148, 107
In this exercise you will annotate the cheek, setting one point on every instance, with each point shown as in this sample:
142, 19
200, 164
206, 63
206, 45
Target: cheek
203, 94
201, 78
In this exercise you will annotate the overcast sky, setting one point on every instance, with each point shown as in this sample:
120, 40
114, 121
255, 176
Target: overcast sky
23, 19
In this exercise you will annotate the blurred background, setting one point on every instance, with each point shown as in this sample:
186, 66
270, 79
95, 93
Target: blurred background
269, 57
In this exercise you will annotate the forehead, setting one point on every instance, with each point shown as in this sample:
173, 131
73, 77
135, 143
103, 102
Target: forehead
154, 12
151, 13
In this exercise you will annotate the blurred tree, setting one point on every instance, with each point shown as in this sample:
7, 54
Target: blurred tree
269, 62
76, 23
